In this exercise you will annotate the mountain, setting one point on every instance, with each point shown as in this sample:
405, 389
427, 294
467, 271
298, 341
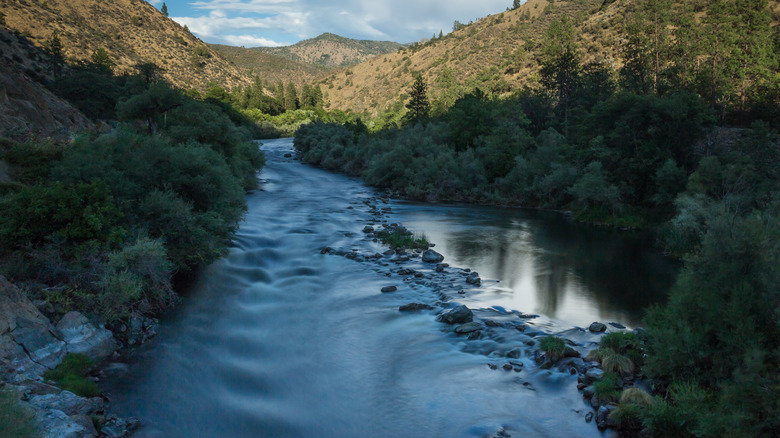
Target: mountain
331, 51
498, 54
270, 68
131, 31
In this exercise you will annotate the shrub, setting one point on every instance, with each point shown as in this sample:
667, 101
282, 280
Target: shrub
628, 416
15, 420
617, 363
553, 347
606, 389
402, 239
636, 396
73, 214
71, 375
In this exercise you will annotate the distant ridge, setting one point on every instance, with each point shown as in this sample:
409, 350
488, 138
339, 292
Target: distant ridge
268, 67
331, 51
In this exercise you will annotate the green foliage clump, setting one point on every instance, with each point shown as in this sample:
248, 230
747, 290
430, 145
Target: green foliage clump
76, 214
397, 238
71, 375
108, 220
553, 347
606, 389
15, 420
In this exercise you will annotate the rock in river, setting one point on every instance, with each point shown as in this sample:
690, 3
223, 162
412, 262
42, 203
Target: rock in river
458, 315
467, 328
597, 327
387, 289
432, 256
414, 306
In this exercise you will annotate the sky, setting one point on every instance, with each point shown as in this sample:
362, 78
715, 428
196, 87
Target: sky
254, 23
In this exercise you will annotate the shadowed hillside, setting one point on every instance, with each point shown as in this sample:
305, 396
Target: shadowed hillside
130, 31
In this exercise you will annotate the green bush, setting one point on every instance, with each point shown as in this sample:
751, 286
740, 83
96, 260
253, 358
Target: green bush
606, 389
16, 421
553, 347
401, 239
73, 214
71, 375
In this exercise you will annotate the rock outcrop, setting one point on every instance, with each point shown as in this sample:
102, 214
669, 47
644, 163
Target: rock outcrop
30, 345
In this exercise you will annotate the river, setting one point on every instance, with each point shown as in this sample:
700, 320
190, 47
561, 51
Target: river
278, 339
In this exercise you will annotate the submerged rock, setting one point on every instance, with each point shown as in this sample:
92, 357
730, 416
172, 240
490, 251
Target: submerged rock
468, 328
414, 306
458, 315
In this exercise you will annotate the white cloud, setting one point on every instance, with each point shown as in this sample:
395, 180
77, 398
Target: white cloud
278, 20
250, 41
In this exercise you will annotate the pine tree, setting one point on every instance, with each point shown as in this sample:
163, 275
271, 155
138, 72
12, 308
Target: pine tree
686, 52
753, 57
561, 66
658, 16
101, 60
53, 47
516, 4
164, 9
418, 107
291, 102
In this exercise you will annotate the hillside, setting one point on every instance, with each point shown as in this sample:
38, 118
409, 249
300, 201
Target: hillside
498, 53
329, 50
270, 68
26, 105
131, 31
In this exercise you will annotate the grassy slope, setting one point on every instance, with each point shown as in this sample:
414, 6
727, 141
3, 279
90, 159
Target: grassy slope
330, 51
506, 42
132, 31
269, 67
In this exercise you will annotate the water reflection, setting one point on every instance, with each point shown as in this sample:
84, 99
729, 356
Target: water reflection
546, 263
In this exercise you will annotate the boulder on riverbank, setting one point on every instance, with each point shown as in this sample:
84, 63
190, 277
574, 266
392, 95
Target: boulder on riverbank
30, 345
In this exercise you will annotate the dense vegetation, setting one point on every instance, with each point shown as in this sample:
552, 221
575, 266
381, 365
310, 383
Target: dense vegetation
682, 135
101, 224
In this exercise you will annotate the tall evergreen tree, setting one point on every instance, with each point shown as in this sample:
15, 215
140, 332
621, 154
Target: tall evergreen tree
291, 102
418, 107
561, 65
753, 57
53, 47
164, 9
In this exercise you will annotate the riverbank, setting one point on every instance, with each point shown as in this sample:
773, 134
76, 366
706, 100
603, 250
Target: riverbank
31, 345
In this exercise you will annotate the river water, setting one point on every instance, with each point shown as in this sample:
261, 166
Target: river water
280, 340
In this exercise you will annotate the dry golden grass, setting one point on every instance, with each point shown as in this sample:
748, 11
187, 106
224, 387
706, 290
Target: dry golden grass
132, 31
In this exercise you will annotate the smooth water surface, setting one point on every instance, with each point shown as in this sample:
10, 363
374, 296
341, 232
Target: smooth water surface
279, 340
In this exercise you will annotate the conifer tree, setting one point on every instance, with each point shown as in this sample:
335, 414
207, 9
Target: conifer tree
291, 102
53, 47
561, 65
418, 107
164, 9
